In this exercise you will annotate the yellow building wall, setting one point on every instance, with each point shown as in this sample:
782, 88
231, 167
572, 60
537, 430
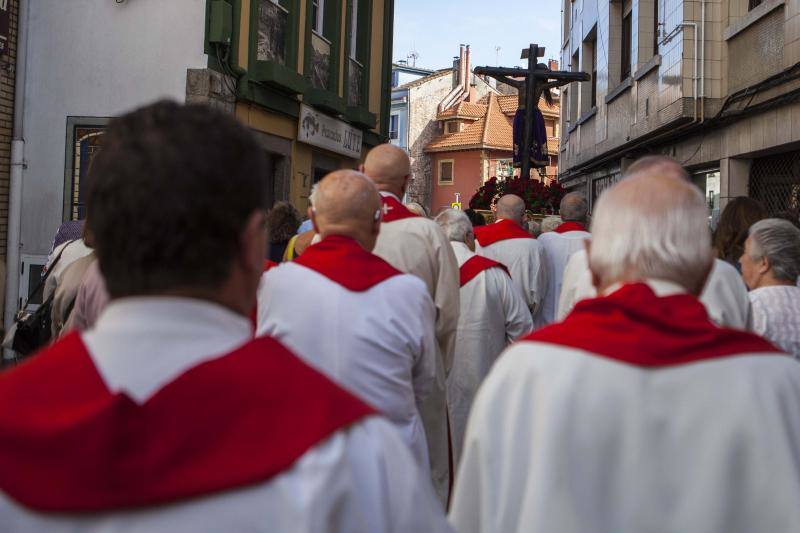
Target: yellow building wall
269, 122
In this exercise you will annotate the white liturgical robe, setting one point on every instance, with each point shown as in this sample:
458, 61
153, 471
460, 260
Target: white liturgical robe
362, 323
558, 246
507, 243
724, 296
492, 315
189, 373
635, 414
418, 246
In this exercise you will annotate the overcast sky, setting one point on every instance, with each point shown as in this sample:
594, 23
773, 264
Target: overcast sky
435, 28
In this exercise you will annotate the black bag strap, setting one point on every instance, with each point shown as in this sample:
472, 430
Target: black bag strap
47, 273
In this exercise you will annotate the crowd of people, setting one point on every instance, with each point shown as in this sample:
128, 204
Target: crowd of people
218, 366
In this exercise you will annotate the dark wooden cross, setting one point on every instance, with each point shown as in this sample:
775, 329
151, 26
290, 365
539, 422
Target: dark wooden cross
531, 82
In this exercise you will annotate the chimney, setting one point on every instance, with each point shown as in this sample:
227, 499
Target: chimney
552, 64
467, 70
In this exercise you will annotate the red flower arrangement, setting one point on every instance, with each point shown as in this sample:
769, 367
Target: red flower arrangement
538, 197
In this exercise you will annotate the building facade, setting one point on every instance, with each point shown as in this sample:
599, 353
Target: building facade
310, 77
420, 101
402, 74
712, 83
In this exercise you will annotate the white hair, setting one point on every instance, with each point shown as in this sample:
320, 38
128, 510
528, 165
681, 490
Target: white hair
779, 241
573, 207
312, 197
653, 229
456, 224
550, 223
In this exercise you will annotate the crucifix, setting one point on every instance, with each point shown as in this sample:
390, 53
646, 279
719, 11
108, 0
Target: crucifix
530, 83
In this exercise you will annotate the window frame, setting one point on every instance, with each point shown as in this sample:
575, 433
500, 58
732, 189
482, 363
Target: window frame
439, 164
626, 55
394, 118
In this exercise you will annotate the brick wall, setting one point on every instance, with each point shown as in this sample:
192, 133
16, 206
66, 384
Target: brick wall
7, 79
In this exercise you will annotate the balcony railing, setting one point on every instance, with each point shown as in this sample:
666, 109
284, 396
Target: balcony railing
320, 62
273, 25
355, 84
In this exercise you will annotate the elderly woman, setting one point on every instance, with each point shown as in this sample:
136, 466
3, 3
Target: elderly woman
770, 268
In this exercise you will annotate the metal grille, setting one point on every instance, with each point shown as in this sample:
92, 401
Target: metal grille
775, 181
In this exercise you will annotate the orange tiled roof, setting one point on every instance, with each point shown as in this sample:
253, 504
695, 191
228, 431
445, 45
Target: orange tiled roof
509, 104
492, 130
468, 110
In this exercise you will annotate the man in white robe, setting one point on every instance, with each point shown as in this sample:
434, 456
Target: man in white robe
636, 413
724, 296
508, 243
416, 245
168, 416
493, 314
559, 245
357, 319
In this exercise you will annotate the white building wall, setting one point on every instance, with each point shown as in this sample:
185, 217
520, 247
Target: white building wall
95, 58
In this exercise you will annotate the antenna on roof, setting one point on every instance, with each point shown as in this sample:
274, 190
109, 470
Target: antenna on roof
413, 56
497, 55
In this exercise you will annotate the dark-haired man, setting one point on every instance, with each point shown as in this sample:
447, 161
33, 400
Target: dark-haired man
167, 416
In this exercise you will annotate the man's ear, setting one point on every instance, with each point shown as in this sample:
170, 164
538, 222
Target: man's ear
361, 168
596, 281
313, 216
764, 266
254, 242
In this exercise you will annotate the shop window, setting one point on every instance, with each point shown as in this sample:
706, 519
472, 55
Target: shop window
446, 172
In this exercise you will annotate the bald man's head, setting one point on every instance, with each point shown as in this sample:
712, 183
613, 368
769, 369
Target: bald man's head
511, 207
651, 226
389, 167
657, 165
347, 203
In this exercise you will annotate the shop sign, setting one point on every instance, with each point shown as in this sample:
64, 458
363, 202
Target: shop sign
329, 133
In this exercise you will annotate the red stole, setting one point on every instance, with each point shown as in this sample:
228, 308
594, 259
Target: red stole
477, 264
633, 325
68, 444
570, 226
344, 261
500, 231
394, 210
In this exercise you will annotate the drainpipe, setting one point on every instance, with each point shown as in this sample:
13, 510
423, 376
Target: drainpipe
17, 167
703, 60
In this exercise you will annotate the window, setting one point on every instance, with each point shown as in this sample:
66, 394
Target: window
318, 15
394, 121
446, 172
589, 65
625, 64
452, 127
752, 4
84, 141
655, 27
354, 29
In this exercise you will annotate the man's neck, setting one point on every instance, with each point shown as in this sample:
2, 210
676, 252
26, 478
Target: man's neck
397, 193
770, 281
